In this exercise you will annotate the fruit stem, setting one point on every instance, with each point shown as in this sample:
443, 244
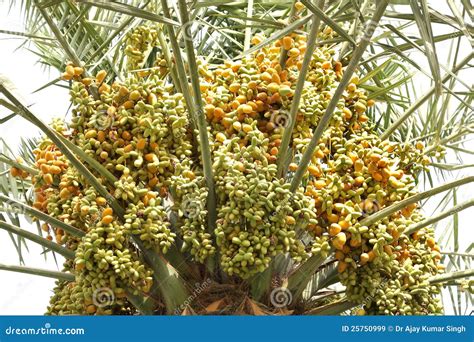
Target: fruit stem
469, 255
417, 226
295, 103
109, 176
42, 216
442, 278
38, 272
357, 55
277, 35
23, 167
181, 71
284, 52
414, 199
198, 112
169, 60
67, 253
248, 28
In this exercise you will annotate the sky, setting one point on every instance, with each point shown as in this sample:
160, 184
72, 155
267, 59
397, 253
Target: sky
26, 294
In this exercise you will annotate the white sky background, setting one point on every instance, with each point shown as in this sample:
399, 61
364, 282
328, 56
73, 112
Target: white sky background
26, 294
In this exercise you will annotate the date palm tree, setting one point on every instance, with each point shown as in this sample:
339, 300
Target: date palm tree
246, 157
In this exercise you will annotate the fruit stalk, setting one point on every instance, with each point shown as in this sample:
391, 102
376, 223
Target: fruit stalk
311, 44
433, 219
198, 113
414, 199
38, 271
67, 253
354, 63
